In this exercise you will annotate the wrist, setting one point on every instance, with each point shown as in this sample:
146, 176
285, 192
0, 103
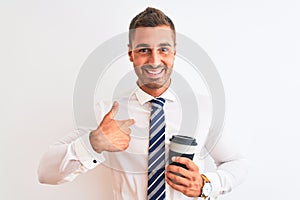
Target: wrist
96, 141
206, 187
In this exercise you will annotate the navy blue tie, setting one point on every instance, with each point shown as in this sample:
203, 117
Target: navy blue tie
156, 159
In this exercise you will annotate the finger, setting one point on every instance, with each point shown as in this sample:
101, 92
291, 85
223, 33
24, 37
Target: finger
128, 122
180, 170
113, 111
187, 162
179, 180
125, 130
175, 186
125, 123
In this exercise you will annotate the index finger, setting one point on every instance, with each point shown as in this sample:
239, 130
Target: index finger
126, 123
187, 162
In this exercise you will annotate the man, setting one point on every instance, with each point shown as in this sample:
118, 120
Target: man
132, 147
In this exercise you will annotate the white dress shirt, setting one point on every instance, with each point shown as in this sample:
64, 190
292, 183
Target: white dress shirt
73, 155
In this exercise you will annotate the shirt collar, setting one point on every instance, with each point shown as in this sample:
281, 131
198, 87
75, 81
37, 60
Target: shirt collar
144, 97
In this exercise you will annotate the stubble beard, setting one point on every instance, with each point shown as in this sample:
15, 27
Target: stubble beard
153, 83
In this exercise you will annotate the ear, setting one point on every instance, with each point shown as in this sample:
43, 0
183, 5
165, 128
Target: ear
130, 53
174, 53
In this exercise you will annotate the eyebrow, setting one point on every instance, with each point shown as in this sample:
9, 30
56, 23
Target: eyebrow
147, 45
165, 44
142, 45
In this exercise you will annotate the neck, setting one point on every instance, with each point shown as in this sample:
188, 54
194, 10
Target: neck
155, 92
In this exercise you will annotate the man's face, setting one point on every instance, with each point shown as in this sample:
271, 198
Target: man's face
152, 53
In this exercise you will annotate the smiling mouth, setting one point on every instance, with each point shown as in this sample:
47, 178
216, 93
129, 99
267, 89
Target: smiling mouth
154, 74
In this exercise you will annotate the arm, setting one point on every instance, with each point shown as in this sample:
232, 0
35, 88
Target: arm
82, 150
231, 166
66, 159
231, 170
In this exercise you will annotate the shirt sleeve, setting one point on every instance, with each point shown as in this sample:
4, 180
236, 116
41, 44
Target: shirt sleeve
69, 157
231, 166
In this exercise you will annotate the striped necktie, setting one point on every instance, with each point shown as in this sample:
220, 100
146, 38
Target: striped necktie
156, 159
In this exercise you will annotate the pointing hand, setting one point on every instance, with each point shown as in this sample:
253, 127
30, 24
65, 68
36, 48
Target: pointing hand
111, 135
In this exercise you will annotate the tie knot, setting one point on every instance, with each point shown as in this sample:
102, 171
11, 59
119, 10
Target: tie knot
159, 101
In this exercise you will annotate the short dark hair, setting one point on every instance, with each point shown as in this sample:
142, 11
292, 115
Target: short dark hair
151, 17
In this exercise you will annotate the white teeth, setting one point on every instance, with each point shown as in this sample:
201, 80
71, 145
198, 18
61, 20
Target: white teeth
155, 72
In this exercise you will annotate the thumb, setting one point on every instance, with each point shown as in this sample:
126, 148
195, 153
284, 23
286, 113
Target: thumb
113, 111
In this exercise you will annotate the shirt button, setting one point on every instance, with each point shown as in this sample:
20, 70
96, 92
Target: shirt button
94, 161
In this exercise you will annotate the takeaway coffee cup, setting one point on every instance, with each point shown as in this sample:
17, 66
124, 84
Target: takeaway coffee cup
182, 146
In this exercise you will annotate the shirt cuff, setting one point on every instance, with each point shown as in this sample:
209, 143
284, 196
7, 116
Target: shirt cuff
215, 183
85, 153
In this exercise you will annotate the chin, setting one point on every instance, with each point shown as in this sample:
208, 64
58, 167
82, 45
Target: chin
153, 86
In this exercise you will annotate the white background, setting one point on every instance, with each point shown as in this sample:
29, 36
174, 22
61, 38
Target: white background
254, 45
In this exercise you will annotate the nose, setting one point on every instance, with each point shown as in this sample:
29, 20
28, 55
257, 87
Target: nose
154, 58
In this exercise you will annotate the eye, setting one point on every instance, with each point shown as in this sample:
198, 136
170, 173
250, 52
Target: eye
144, 50
164, 49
